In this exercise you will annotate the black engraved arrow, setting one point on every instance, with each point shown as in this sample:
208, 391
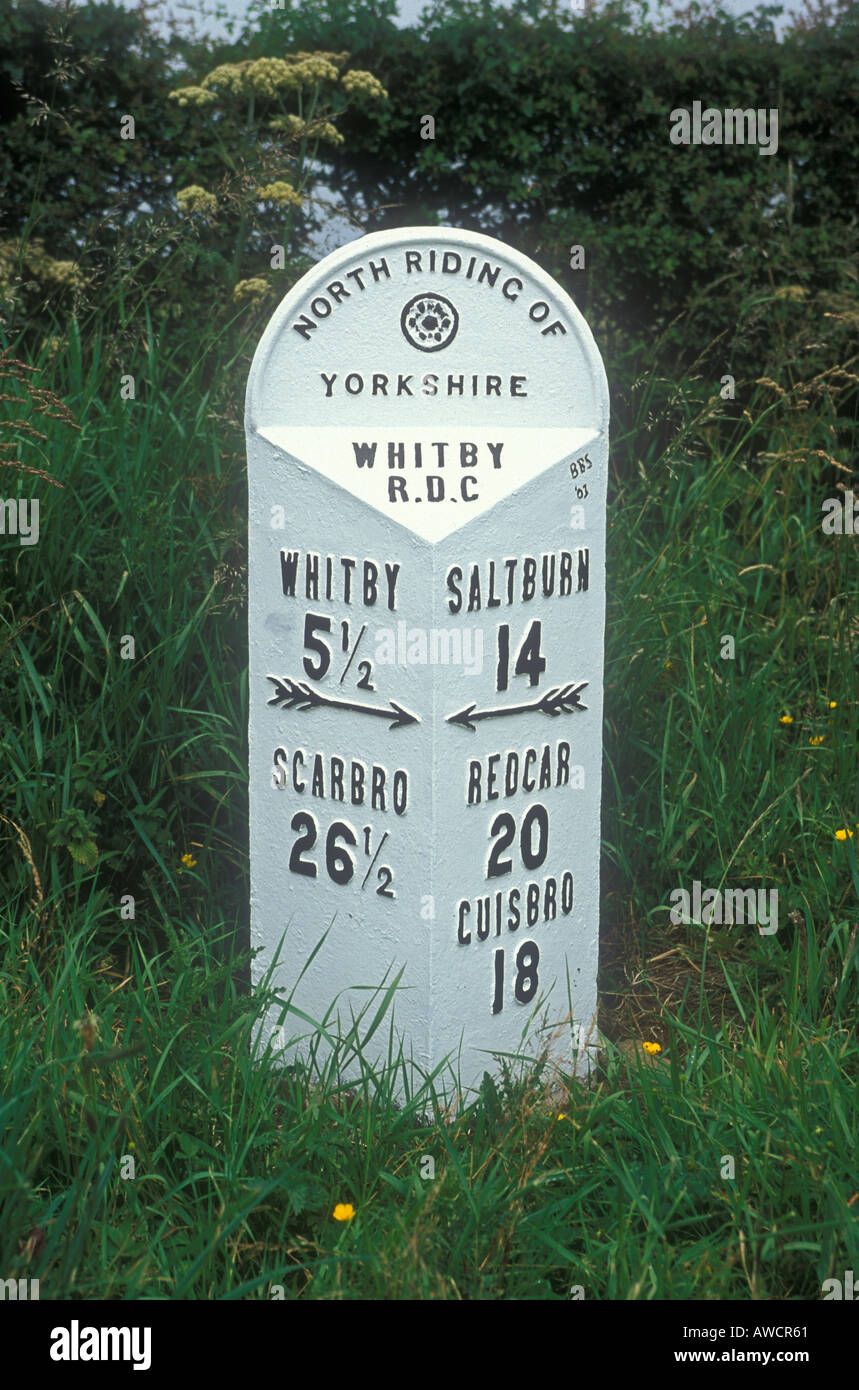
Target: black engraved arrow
292, 694
562, 700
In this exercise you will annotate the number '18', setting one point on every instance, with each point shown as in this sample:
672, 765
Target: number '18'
525, 985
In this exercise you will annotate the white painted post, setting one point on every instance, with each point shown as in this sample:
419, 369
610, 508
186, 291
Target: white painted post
427, 433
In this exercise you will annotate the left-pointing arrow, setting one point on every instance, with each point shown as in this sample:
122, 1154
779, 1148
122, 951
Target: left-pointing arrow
290, 694
563, 699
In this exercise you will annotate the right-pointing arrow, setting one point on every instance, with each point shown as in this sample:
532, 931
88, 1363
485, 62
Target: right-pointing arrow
293, 694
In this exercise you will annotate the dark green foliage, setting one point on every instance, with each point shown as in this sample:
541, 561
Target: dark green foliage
552, 131
65, 83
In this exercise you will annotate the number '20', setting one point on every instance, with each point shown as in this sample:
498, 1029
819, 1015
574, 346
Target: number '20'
503, 832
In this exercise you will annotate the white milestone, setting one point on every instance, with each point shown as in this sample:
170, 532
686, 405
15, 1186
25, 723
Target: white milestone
427, 433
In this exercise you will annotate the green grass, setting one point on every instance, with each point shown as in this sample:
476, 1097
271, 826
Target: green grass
113, 769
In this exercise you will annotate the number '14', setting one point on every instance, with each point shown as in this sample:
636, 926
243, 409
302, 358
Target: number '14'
530, 661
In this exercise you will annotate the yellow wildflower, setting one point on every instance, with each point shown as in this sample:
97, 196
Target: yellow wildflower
280, 192
329, 132
229, 77
844, 834
651, 1048
786, 719
44, 267
253, 289
344, 1211
196, 199
289, 124
363, 84
268, 76
816, 739
88, 1028
338, 59
314, 67
52, 345
192, 96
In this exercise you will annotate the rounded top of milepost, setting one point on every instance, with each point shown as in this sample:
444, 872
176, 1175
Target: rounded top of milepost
419, 325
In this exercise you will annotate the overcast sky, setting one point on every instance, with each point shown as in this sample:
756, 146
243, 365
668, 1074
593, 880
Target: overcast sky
408, 10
